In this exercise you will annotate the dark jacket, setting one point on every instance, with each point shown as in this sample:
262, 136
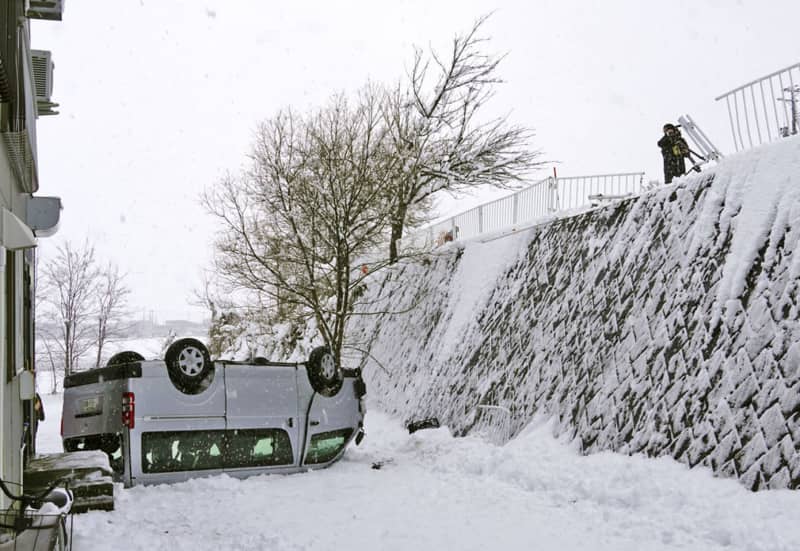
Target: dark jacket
674, 149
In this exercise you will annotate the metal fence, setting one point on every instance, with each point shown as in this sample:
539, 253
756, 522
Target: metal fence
546, 196
765, 109
578, 191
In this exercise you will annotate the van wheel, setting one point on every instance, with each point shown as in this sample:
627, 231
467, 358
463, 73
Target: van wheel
188, 363
126, 357
324, 374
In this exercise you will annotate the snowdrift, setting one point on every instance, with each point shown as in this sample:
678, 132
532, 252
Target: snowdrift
667, 324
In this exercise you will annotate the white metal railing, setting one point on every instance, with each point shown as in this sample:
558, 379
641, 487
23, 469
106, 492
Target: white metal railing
578, 191
765, 109
547, 196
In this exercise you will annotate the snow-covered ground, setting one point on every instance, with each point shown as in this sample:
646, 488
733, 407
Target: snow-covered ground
439, 492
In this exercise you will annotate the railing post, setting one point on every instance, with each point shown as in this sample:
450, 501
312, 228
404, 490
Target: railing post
480, 219
516, 208
552, 198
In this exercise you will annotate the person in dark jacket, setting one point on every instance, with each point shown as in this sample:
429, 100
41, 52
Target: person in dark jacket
674, 149
38, 407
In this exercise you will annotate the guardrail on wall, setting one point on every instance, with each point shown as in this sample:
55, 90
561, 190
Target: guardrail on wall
546, 196
765, 109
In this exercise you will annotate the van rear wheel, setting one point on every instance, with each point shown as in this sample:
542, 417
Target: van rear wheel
188, 363
126, 357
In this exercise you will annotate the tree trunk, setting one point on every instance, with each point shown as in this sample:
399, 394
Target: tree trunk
53, 369
67, 350
100, 342
398, 224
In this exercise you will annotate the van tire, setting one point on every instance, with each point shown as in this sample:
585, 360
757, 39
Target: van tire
325, 376
188, 363
126, 357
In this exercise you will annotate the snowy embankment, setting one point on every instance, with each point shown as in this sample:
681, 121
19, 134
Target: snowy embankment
435, 491
668, 324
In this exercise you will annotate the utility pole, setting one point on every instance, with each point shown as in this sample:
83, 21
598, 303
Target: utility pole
794, 91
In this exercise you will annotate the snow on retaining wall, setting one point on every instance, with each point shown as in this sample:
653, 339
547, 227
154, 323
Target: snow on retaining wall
666, 324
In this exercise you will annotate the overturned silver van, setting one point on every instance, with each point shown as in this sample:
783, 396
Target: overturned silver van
165, 421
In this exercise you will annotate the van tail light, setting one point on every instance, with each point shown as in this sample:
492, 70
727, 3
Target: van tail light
128, 409
62, 425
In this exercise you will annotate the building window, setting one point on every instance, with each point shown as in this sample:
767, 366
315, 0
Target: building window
11, 315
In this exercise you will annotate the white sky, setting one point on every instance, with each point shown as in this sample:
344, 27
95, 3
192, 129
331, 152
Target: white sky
160, 98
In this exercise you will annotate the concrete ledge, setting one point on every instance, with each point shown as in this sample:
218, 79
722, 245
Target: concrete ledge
87, 473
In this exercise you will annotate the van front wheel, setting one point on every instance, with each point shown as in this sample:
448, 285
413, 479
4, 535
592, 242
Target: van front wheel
324, 374
189, 363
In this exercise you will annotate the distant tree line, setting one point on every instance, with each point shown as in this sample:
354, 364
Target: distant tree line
329, 193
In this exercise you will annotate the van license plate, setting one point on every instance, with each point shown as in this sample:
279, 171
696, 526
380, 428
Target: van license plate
90, 406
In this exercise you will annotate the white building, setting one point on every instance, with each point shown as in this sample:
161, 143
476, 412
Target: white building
25, 87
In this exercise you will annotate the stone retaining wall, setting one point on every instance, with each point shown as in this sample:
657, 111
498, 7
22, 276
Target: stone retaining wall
637, 326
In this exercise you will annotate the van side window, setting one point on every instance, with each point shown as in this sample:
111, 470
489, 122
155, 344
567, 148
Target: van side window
258, 448
165, 452
326, 445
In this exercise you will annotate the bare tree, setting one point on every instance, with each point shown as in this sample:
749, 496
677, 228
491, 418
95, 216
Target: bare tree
112, 302
439, 137
223, 329
68, 308
315, 201
206, 297
336, 188
48, 356
78, 306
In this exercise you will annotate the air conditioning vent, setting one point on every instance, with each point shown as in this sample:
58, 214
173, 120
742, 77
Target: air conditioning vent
42, 74
42, 64
50, 10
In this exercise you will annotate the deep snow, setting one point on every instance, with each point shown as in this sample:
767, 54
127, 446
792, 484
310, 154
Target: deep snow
440, 492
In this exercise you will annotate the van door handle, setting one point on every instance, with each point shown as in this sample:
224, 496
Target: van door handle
290, 422
314, 423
